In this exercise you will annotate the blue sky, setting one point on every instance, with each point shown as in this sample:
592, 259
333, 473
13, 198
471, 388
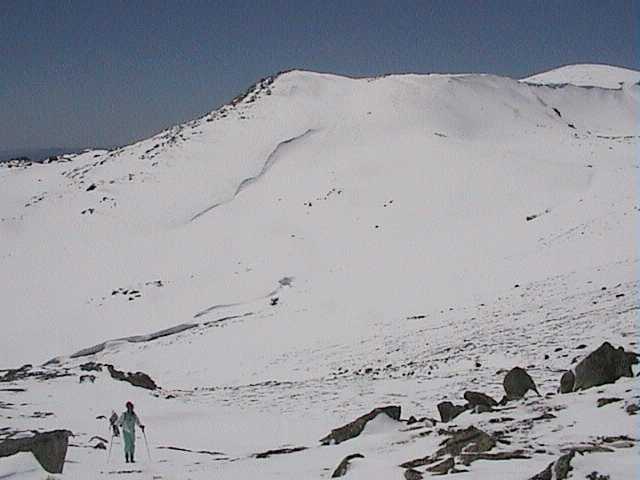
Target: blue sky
81, 73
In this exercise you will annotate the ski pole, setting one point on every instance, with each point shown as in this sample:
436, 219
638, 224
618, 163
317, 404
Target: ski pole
146, 443
110, 445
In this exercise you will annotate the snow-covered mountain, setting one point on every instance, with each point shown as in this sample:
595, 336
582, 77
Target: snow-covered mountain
324, 245
587, 75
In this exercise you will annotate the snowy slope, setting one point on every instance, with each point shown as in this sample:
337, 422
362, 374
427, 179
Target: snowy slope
587, 75
317, 227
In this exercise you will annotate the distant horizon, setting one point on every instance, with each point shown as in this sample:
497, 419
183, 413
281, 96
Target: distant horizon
73, 79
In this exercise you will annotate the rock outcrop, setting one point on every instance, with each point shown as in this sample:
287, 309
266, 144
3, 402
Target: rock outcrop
49, 448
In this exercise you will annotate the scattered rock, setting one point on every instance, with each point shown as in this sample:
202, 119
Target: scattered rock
343, 467
353, 429
412, 420
606, 401
49, 448
517, 383
567, 381
448, 411
604, 365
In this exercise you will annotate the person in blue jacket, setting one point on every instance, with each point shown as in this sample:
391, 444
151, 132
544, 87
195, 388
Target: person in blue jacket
128, 421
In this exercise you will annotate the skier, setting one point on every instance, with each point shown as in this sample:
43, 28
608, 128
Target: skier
113, 422
128, 421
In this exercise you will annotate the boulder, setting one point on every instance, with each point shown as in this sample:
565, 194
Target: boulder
517, 383
343, 466
49, 448
567, 381
604, 365
476, 399
448, 411
355, 428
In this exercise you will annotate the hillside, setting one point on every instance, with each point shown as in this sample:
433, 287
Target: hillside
322, 246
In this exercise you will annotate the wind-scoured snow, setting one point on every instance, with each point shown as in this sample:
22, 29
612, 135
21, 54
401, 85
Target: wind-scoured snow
422, 232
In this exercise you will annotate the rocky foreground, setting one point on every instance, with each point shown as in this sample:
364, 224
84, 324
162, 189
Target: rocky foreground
466, 438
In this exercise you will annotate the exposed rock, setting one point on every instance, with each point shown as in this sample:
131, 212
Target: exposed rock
471, 439
448, 411
16, 373
604, 365
418, 462
606, 401
412, 420
137, 379
479, 399
443, 467
279, 451
567, 381
49, 448
517, 383
353, 429
411, 474
343, 467
469, 458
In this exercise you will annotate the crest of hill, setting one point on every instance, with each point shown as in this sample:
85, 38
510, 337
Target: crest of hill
587, 75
